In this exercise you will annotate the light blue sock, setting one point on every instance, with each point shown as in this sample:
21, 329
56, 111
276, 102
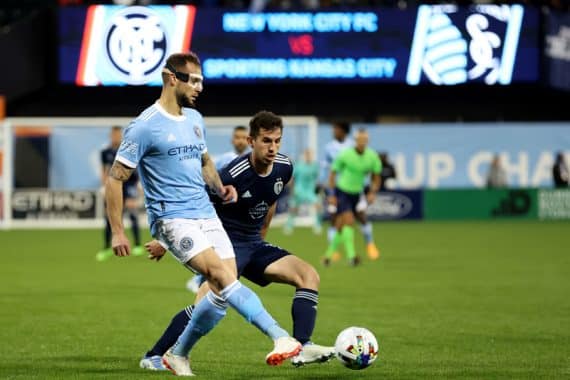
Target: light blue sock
206, 315
366, 230
330, 234
248, 304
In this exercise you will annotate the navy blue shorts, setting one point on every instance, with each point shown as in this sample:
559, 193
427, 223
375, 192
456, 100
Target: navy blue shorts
130, 191
253, 257
345, 201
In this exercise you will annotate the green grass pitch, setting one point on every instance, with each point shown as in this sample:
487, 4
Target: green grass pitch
469, 300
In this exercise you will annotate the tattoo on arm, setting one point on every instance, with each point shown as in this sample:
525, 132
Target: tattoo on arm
120, 172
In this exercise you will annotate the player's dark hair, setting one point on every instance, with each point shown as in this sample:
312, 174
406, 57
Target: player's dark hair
240, 128
343, 125
116, 128
264, 120
179, 60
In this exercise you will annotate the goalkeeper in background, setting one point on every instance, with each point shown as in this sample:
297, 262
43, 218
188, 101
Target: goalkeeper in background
347, 179
305, 177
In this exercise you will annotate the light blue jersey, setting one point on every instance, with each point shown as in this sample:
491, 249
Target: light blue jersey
167, 150
332, 149
225, 159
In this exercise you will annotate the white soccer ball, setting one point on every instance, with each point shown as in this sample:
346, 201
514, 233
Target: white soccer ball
356, 347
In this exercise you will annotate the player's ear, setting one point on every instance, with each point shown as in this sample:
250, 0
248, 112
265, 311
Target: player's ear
249, 141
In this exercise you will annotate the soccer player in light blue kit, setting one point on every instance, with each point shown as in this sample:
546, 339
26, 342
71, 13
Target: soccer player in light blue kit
239, 142
166, 142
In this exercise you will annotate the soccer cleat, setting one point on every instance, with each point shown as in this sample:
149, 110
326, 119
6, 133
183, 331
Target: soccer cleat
104, 254
178, 365
373, 253
138, 251
285, 348
153, 363
194, 283
355, 261
326, 261
312, 353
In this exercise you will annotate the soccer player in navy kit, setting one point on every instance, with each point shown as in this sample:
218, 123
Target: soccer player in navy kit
259, 178
130, 197
166, 142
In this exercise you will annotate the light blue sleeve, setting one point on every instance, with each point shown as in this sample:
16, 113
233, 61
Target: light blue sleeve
137, 139
326, 165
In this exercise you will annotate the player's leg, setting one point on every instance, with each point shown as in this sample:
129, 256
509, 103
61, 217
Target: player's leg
226, 289
346, 228
294, 271
131, 210
106, 252
291, 214
367, 232
345, 203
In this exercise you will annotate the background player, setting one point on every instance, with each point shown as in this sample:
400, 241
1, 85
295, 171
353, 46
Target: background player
346, 182
239, 142
305, 177
342, 140
167, 143
259, 178
130, 197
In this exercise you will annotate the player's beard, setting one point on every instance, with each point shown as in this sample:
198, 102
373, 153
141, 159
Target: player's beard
184, 101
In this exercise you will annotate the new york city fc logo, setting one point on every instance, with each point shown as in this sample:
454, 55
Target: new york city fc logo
136, 44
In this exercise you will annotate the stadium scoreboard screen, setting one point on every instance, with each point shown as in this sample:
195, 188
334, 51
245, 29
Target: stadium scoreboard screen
437, 44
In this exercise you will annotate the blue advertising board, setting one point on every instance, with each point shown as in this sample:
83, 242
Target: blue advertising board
437, 44
396, 205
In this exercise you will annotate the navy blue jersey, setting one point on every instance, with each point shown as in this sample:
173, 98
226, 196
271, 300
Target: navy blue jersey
107, 159
244, 219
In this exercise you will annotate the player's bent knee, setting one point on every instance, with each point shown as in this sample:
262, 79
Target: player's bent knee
308, 278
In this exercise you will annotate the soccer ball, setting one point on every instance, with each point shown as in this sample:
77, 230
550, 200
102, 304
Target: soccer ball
356, 347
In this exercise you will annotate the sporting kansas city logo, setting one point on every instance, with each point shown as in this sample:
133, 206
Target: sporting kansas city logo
450, 47
136, 44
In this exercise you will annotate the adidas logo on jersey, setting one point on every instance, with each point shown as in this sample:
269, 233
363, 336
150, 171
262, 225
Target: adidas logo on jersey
171, 137
247, 194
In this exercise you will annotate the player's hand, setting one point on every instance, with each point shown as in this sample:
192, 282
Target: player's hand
228, 193
155, 250
370, 198
121, 245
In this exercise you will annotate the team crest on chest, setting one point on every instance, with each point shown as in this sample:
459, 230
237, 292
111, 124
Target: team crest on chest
278, 186
197, 131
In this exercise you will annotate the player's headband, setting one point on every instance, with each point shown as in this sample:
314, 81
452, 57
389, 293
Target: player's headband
197, 79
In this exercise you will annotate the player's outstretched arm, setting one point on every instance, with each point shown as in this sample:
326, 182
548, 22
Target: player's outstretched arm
114, 199
226, 192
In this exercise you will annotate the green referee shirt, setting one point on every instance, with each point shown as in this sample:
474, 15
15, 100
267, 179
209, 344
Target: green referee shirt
352, 169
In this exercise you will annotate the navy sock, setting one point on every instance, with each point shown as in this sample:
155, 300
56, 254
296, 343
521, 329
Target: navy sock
107, 234
135, 227
170, 335
304, 312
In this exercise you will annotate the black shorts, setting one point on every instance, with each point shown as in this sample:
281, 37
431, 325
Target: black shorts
130, 191
345, 201
253, 257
